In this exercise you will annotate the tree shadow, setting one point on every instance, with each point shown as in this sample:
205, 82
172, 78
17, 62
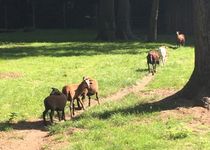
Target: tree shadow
60, 43
74, 49
23, 125
168, 103
141, 70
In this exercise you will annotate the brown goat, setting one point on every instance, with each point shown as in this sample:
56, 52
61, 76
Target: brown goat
153, 58
69, 91
93, 89
180, 39
75, 91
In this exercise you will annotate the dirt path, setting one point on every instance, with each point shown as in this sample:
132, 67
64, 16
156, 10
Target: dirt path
24, 136
140, 84
31, 135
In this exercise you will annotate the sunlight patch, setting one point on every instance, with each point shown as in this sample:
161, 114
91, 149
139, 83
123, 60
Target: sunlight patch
10, 75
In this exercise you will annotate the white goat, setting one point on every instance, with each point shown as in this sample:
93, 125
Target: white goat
163, 52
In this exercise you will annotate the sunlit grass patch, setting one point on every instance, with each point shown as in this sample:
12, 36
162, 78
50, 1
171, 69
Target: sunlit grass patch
129, 123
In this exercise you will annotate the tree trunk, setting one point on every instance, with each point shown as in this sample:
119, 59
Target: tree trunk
123, 29
33, 16
198, 85
106, 20
5, 17
64, 14
152, 35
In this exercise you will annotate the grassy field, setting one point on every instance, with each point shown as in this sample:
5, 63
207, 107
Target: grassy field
32, 63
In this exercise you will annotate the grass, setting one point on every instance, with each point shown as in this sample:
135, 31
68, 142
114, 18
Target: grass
177, 71
30, 69
40, 60
129, 125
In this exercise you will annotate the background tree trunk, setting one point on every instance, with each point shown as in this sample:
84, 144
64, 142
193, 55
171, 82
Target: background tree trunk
5, 17
123, 29
198, 85
106, 20
152, 35
33, 15
64, 14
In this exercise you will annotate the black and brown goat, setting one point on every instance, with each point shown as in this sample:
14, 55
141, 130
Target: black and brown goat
153, 58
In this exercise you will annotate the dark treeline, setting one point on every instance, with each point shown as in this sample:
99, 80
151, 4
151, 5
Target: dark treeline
18, 14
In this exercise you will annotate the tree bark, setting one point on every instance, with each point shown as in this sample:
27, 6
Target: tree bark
152, 35
106, 20
64, 14
198, 85
33, 15
123, 29
5, 17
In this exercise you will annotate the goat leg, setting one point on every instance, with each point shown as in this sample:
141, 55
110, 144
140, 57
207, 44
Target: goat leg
51, 116
97, 98
44, 115
58, 113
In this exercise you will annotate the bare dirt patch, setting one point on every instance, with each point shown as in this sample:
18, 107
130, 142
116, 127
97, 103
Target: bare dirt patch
24, 136
199, 117
10, 75
158, 92
199, 114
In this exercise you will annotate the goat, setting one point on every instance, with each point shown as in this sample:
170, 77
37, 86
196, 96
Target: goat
180, 39
56, 101
69, 91
93, 89
163, 52
75, 91
153, 58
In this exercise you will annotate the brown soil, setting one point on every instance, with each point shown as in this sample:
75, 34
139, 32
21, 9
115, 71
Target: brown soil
33, 135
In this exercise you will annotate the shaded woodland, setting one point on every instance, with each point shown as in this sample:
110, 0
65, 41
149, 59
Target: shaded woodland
49, 14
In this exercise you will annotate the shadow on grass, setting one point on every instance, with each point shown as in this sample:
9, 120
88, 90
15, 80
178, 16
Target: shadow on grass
168, 103
23, 125
141, 70
75, 49
59, 43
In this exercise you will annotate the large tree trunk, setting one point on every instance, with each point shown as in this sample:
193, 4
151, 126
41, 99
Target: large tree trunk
123, 29
106, 20
152, 35
198, 85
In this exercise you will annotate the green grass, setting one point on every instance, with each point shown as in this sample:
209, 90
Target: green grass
45, 59
177, 70
128, 124
42, 65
